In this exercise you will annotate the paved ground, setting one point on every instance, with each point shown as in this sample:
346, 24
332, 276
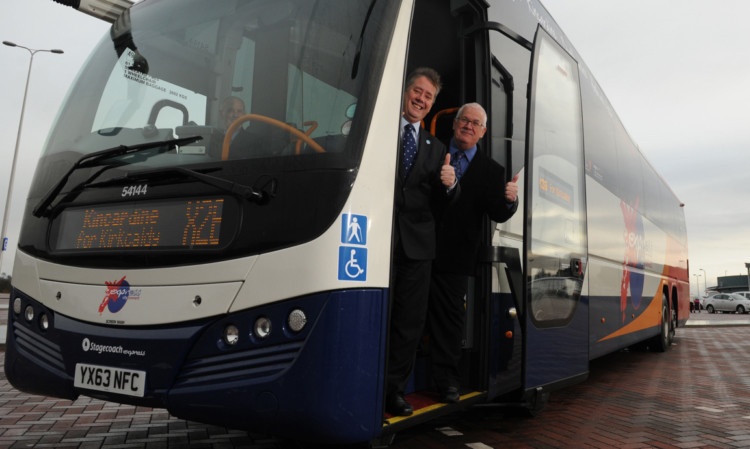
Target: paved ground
697, 395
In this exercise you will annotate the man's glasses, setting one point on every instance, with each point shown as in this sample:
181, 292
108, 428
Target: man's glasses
473, 123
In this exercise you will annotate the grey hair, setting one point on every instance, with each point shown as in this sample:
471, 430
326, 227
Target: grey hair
472, 105
430, 74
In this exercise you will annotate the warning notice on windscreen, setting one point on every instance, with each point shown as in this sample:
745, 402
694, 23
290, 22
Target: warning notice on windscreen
148, 80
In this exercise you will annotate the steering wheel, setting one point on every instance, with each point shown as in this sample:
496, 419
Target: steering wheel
271, 121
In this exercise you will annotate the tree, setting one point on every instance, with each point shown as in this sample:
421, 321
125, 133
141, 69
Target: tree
5, 283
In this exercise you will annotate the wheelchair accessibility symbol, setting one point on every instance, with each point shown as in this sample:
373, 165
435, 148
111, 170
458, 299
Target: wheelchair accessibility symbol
352, 263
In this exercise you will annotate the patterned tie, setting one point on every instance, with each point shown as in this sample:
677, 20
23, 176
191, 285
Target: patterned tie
457, 164
409, 148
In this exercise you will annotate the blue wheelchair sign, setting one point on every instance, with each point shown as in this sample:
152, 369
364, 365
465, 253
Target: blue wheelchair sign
352, 263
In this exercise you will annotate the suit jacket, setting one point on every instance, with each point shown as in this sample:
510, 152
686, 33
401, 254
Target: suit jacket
459, 227
415, 224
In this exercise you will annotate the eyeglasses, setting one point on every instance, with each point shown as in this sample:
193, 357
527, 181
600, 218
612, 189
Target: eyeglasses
473, 123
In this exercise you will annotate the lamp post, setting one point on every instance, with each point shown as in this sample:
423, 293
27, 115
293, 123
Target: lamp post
697, 284
32, 52
705, 280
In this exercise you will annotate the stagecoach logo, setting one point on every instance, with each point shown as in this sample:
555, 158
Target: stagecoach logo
117, 295
88, 345
634, 258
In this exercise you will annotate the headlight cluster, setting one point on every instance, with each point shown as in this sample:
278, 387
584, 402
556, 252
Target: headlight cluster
30, 314
263, 327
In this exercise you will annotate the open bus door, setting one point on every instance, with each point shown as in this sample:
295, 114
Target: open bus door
555, 248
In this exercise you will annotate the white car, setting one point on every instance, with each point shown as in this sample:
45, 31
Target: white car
745, 294
727, 302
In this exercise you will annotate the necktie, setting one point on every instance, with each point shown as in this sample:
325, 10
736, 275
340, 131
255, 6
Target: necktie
457, 163
409, 148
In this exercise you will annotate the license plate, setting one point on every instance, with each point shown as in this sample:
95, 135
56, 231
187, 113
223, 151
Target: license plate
113, 380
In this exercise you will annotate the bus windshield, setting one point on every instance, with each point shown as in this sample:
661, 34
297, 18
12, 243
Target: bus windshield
271, 89
192, 67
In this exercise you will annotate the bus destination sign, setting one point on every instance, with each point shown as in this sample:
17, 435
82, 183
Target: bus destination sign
176, 224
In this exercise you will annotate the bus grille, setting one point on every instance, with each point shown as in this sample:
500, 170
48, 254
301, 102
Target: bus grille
38, 348
254, 364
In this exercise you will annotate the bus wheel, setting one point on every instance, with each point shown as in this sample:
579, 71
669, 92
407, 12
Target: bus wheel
662, 341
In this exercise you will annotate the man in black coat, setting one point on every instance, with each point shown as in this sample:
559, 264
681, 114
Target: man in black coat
424, 172
483, 191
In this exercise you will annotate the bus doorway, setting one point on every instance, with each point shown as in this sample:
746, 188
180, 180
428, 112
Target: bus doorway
444, 36
435, 41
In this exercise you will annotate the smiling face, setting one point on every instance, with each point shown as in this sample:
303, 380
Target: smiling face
469, 127
418, 99
232, 109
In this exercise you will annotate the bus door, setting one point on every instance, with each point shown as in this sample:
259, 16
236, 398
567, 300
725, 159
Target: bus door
555, 246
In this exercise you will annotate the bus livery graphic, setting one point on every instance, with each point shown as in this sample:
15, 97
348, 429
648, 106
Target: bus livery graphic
634, 258
116, 296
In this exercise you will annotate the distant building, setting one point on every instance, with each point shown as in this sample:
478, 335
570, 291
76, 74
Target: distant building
729, 284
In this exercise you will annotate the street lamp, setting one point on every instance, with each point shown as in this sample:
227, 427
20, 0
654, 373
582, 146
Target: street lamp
32, 52
697, 284
705, 279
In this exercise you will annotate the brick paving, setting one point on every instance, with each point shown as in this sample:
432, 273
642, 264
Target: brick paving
696, 395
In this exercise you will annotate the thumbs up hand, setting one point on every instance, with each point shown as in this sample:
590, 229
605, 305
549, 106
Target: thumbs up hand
447, 172
511, 190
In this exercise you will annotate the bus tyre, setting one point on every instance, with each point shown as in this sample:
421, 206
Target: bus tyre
663, 340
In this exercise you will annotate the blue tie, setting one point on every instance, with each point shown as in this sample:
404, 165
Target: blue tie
409, 148
457, 164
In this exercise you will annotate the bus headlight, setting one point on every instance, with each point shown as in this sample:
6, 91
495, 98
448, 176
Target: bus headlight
297, 320
44, 321
262, 327
17, 306
29, 313
231, 335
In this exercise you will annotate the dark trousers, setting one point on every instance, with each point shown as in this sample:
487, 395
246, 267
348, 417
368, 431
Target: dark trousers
445, 324
408, 316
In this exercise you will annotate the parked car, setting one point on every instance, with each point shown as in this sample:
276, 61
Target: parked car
727, 302
745, 294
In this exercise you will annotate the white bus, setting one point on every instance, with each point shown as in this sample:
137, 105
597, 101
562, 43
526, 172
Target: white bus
164, 263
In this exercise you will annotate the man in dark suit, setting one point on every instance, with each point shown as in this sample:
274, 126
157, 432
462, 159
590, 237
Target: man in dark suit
424, 172
483, 192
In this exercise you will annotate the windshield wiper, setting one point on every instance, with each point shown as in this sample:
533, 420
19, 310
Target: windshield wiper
99, 158
246, 192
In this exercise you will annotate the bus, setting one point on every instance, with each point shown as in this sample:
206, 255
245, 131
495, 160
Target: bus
246, 284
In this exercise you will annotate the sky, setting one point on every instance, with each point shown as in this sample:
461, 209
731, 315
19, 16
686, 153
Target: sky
36, 24
678, 74
676, 71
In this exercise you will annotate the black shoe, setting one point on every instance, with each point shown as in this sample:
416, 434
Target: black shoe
396, 405
449, 395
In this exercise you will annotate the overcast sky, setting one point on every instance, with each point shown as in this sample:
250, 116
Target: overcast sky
678, 74
676, 71
36, 24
